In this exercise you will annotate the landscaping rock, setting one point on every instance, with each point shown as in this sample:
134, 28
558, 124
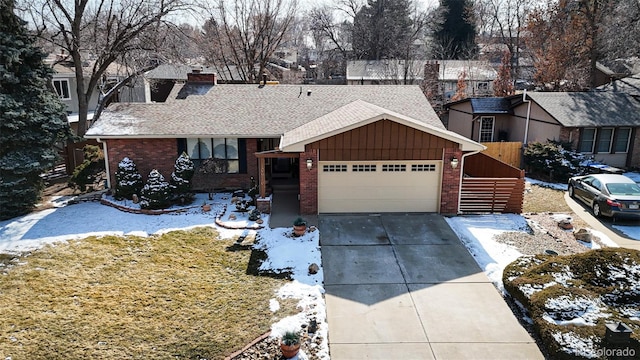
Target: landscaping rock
313, 269
583, 235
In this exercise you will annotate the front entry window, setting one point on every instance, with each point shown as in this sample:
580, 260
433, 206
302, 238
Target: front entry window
486, 129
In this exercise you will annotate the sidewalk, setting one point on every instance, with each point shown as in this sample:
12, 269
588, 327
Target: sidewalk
596, 224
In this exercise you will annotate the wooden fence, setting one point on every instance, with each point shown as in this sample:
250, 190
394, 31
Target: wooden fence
491, 186
491, 195
507, 152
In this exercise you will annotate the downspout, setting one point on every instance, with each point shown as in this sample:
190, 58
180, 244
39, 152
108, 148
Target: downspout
526, 125
462, 176
106, 162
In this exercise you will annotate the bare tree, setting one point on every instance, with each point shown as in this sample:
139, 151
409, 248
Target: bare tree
98, 33
506, 20
325, 27
246, 33
565, 37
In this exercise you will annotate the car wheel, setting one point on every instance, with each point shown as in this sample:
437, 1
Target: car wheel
596, 210
571, 193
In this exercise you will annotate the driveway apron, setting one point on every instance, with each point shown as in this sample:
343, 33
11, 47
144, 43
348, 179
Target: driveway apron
402, 286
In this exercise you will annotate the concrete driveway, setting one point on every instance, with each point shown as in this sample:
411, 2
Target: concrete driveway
402, 286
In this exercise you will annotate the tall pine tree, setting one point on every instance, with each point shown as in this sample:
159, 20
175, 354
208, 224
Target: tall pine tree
32, 118
382, 30
456, 37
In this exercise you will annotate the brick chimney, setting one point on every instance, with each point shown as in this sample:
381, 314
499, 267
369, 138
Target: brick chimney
197, 76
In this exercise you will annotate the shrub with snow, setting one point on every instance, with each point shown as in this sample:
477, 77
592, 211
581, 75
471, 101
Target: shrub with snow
553, 161
181, 178
156, 193
128, 180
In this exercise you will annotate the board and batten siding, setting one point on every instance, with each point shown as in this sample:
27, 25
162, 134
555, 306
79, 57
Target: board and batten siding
382, 140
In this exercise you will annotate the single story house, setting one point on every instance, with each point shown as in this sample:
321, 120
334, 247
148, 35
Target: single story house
349, 148
602, 124
479, 75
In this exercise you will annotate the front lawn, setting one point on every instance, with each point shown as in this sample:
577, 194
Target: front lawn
183, 294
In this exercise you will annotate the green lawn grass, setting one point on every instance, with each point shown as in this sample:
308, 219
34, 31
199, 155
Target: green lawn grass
181, 295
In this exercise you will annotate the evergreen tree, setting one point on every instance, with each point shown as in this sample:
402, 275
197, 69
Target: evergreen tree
455, 39
128, 179
181, 176
382, 30
32, 118
156, 193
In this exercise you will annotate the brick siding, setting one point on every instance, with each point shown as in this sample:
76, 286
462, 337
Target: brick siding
147, 154
161, 154
309, 182
570, 135
450, 182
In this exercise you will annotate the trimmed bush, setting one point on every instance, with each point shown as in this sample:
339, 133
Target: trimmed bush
156, 193
128, 180
86, 172
571, 298
181, 178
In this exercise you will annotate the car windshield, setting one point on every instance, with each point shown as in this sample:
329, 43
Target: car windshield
623, 189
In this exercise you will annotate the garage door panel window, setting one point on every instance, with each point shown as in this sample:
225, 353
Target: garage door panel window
364, 168
334, 168
423, 167
394, 167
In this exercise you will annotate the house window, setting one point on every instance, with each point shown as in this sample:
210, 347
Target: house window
486, 129
604, 141
621, 142
218, 148
483, 86
587, 140
62, 88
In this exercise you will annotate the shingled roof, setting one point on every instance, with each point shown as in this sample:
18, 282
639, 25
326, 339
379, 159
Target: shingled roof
580, 109
360, 113
253, 111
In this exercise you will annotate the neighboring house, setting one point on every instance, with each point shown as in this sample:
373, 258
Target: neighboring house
350, 148
479, 75
602, 124
65, 84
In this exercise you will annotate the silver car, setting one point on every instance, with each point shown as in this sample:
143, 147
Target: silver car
607, 194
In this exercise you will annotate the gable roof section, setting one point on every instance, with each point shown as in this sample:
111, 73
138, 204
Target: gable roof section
491, 106
597, 109
357, 114
252, 111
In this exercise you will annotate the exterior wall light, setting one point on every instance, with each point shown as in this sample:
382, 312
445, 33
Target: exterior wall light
309, 164
454, 163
